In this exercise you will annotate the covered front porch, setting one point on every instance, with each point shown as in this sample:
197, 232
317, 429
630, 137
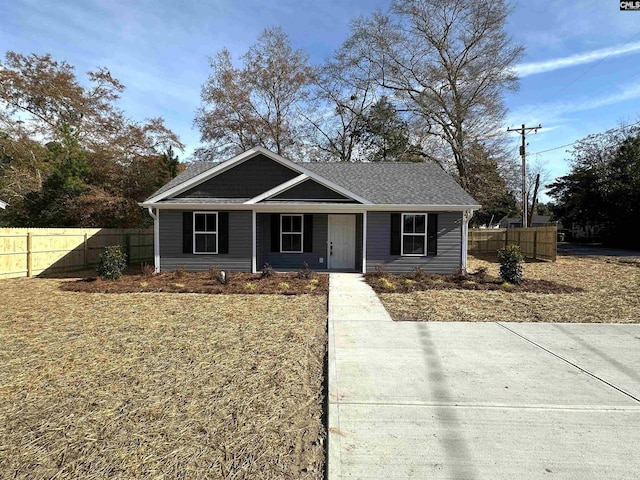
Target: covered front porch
325, 241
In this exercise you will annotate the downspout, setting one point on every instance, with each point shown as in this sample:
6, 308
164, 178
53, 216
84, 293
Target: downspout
156, 238
466, 216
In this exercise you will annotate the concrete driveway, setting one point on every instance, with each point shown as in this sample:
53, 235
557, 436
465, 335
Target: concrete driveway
478, 400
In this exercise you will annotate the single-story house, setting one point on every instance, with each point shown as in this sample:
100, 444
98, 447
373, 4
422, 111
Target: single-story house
259, 207
516, 222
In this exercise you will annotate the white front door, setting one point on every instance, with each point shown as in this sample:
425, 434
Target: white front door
342, 242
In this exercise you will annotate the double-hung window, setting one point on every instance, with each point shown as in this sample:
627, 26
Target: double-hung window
205, 232
291, 233
414, 234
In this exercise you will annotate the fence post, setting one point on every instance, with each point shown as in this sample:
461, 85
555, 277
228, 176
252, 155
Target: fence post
86, 250
29, 254
535, 245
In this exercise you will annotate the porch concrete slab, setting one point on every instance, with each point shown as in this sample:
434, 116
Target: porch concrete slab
609, 351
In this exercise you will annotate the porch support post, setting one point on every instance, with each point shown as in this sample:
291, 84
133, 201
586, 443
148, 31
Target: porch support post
364, 242
155, 214
466, 216
254, 260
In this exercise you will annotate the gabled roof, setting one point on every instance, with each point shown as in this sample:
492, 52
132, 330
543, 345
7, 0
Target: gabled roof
200, 173
380, 183
396, 183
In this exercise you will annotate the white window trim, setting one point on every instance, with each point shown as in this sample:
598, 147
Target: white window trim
205, 233
402, 234
301, 233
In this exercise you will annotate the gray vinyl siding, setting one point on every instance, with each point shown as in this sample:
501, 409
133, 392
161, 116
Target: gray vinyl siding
246, 180
238, 258
446, 261
312, 190
293, 261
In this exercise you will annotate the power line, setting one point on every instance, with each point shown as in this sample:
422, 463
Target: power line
611, 130
523, 133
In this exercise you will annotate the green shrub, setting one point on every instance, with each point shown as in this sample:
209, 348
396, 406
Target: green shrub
250, 286
408, 281
511, 259
386, 284
112, 262
284, 285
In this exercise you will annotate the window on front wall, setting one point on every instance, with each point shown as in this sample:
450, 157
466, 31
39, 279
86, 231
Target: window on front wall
291, 233
414, 234
205, 232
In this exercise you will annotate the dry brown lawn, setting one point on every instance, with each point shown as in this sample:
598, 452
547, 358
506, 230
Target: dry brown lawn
611, 293
148, 385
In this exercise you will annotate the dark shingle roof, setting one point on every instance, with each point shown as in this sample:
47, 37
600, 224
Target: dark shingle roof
392, 183
395, 183
193, 170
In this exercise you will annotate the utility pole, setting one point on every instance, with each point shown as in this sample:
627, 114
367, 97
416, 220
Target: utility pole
523, 132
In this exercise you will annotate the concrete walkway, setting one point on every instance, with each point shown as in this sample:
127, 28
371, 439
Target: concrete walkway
478, 400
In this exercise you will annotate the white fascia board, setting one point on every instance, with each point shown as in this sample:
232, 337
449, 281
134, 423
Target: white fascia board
277, 189
310, 208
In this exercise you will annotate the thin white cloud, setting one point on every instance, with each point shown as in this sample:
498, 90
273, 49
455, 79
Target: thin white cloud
532, 68
555, 113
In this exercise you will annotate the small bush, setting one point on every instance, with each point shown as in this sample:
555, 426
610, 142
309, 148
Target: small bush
418, 273
147, 270
311, 287
250, 286
386, 284
144, 284
511, 259
112, 262
179, 272
284, 285
268, 271
214, 273
380, 270
314, 281
408, 281
305, 272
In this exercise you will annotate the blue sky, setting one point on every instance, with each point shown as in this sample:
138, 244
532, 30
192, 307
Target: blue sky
580, 73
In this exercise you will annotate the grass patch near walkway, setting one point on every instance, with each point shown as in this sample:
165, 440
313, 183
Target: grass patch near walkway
141, 386
605, 290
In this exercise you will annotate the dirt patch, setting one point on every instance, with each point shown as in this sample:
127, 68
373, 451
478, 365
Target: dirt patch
205, 282
160, 385
606, 291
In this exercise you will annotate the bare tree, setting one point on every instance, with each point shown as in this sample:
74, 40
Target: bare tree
448, 61
258, 104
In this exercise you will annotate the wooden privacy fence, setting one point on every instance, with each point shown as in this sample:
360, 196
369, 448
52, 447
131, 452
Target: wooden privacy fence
534, 242
25, 252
